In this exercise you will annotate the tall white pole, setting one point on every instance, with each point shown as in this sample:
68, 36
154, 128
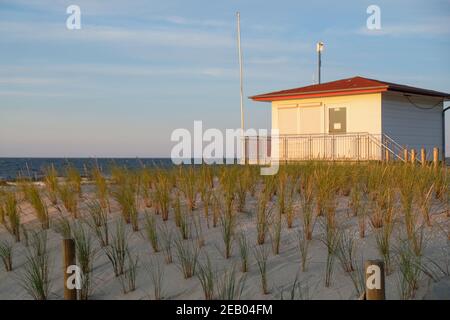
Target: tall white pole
241, 83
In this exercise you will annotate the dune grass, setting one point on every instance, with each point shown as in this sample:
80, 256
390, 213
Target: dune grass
207, 278
227, 227
229, 285
303, 248
102, 191
187, 254
244, 249
6, 254
166, 236
396, 207
11, 220
35, 278
86, 254
117, 249
157, 275
126, 196
151, 231
51, 183
261, 256
69, 198
34, 197
73, 177
97, 220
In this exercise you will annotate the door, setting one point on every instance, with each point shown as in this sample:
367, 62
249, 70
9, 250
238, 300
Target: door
310, 120
337, 120
287, 120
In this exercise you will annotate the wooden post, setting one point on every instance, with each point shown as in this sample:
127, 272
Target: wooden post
69, 260
405, 154
436, 157
387, 155
423, 157
375, 288
413, 156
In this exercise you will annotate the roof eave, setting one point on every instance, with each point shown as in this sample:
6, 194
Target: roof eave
268, 98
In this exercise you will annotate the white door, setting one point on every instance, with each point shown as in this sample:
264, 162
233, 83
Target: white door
288, 120
311, 120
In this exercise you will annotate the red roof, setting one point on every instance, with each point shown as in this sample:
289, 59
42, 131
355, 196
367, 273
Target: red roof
355, 85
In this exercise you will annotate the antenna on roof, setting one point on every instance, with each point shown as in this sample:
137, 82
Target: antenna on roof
319, 49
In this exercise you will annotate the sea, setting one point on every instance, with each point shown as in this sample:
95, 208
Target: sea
12, 168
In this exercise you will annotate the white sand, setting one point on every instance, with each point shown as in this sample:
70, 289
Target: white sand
282, 269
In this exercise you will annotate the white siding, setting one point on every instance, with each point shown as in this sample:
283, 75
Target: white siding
410, 126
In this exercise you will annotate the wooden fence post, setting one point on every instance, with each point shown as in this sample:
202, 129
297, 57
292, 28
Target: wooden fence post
374, 276
69, 260
405, 154
435, 157
413, 156
387, 155
423, 157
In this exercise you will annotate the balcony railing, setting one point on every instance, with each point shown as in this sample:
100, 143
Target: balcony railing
331, 147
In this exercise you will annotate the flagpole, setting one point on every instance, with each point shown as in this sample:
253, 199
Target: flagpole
241, 84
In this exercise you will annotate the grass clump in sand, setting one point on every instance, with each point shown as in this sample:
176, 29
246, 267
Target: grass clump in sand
86, 254
117, 250
128, 278
35, 277
227, 226
11, 220
410, 271
244, 250
346, 251
97, 220
51, 183
229, 286
151, 231
207, 277
69, 198
303, 248
166, 236
6, 254
187, 255
263, 212
101, 189
33, 196
157, 276
126, 196
261, 256
162, 195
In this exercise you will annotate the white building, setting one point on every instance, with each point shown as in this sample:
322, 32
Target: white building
355, 119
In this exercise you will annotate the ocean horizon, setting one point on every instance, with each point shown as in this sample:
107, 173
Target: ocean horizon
33, 167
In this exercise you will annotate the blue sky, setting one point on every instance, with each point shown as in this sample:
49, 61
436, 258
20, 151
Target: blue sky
138, 69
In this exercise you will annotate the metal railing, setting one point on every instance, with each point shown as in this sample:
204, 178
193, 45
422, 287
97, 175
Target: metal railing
361, 146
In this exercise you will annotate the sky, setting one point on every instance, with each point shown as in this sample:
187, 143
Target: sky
137, 70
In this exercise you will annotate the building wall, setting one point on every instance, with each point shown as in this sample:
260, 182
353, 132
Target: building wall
363, 113
410, 126
310, 116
